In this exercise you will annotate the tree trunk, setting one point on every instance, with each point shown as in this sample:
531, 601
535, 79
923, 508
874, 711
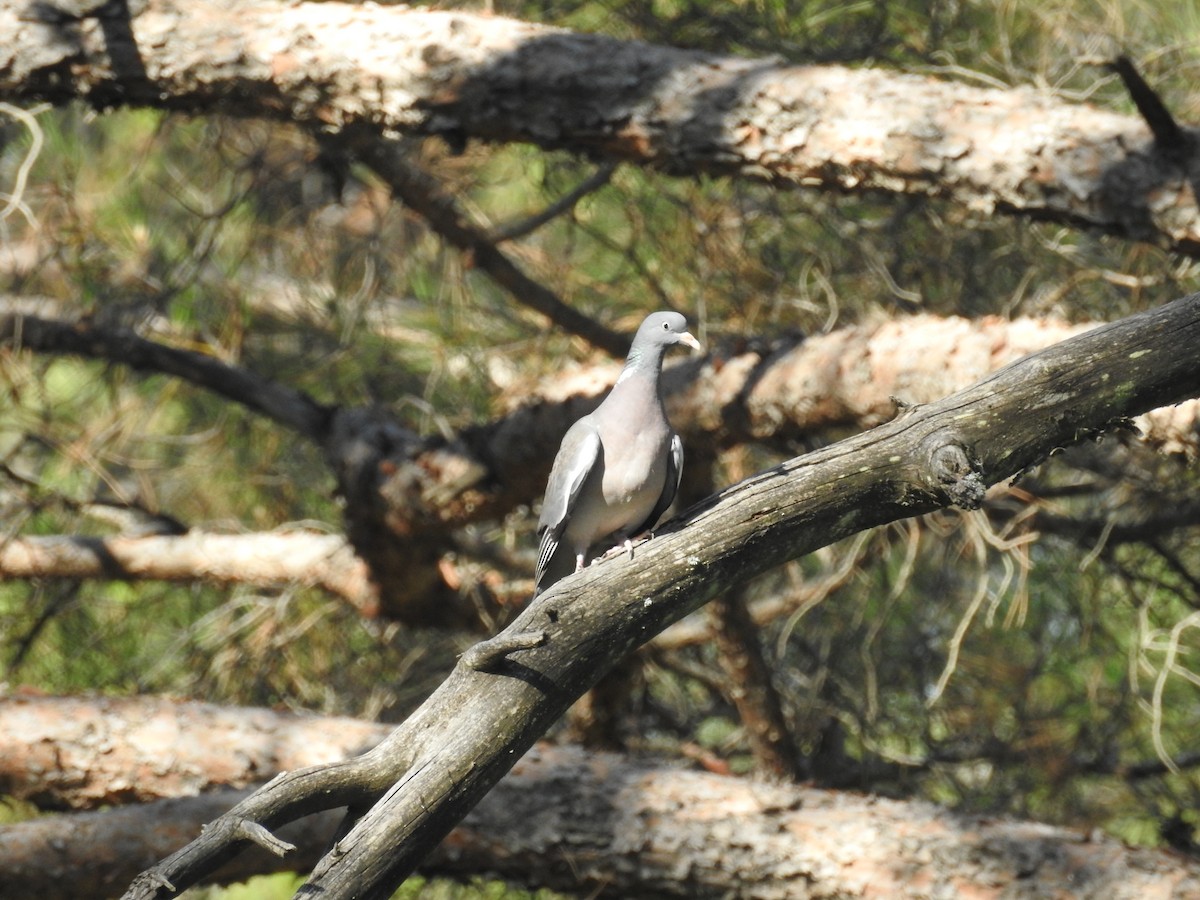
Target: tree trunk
601, 826
333, 65
263, 560
80, 753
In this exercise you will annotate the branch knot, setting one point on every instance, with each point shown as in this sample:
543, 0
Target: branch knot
958, 475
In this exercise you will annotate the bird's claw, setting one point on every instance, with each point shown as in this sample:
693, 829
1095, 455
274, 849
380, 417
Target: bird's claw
625, 546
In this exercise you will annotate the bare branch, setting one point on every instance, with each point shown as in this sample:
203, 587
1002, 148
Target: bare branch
421, 193
1171, 139
565, 203
263, 559
91, 856
289, 407
15, 201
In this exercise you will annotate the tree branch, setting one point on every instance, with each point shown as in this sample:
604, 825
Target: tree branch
421, 193
91, 856
85, 752
1170, 138
568, 201
462, 76
264, 559
460, 742
750, 688
289, 407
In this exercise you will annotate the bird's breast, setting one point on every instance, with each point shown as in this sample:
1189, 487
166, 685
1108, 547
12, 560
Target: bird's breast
636, 470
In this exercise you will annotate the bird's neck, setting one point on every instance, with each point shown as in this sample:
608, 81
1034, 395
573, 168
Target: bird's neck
645, 387
651, 363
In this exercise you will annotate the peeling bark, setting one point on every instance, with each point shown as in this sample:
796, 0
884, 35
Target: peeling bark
464, 76
599, 825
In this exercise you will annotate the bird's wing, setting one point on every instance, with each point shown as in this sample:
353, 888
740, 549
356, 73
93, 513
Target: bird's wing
577, 458
670, 486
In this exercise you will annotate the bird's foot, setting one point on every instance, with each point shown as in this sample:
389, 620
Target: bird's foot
609, 553
625, 546
638, 540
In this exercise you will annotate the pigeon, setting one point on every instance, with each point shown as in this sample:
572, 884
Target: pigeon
618, 468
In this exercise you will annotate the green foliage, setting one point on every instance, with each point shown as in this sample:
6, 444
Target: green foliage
475, 889
277, 887
235, 240
264, 887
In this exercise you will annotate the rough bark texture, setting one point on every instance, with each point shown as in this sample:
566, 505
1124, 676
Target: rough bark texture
80, 753
469, 76
438, 764
622, 830
601, 826
263, 559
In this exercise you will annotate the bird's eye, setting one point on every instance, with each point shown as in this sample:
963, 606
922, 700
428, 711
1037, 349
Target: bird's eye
666, 326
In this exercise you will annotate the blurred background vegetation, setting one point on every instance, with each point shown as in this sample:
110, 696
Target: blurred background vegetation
237, 235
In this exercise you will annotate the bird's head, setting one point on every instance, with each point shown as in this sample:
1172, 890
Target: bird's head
662, 329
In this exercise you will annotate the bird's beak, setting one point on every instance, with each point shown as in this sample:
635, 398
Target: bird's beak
686, 338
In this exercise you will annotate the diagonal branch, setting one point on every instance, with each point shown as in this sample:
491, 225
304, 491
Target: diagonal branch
1174, 142
566, 202
421, 193
1172, 139
461, 741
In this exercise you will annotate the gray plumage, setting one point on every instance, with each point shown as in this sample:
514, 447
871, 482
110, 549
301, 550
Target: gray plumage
618, 468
